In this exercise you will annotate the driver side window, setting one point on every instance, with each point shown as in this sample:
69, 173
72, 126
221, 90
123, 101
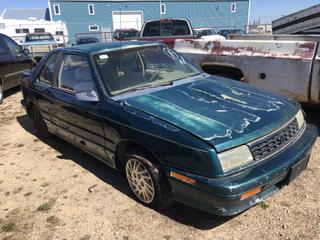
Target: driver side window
47, 72
74, 70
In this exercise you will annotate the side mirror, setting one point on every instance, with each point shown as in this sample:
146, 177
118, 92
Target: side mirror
26, 51
85, 92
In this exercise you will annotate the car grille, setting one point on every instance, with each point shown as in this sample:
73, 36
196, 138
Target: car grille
274, 142
40, 49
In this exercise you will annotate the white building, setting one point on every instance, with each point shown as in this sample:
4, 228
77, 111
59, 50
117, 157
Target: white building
16, 23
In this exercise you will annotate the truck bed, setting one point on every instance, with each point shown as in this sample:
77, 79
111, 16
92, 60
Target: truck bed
291, 68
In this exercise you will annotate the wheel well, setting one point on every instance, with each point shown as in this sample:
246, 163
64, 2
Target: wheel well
127, 146
223, 71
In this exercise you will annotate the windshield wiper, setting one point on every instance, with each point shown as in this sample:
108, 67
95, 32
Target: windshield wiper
149, 86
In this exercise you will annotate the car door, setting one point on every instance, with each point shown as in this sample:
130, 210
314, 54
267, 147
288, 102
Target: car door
72, 119
17, 63
4, 64
43, 86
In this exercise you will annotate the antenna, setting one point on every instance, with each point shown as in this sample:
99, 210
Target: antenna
121, 82
160, 9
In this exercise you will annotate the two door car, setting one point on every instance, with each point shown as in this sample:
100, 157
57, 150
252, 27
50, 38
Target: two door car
177, 133
13, 62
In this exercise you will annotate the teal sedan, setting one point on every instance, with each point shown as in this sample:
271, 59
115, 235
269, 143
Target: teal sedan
177, 133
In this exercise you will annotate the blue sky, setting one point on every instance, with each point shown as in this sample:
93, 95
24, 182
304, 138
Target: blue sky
268, 10
265, 9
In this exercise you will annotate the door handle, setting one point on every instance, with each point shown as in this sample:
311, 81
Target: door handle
83, 142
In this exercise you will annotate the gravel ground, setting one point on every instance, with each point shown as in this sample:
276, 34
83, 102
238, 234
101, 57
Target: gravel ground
52, 190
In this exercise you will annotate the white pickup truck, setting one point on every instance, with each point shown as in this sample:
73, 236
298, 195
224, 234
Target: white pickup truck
286, 65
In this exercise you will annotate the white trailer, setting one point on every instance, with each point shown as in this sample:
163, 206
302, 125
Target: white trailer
17, 29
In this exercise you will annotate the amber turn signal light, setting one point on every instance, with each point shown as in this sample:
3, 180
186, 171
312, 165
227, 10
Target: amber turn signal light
250, 193
183, 178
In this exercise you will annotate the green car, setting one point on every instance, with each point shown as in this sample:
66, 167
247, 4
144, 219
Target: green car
177, 133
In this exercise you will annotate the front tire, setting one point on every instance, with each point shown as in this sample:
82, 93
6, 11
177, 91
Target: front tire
147, 182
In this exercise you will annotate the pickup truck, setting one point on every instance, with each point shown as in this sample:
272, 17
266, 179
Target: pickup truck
39, 44
166, 30
287, 65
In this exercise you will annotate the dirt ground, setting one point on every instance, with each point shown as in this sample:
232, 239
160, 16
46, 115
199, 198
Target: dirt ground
52, 190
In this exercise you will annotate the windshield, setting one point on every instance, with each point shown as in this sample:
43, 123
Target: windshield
87, 41
205, 32
129, 34
39, 37
142, 67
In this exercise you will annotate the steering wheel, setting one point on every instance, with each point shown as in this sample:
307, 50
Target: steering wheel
156, 74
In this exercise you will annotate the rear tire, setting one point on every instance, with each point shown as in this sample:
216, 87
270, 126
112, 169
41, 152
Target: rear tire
39, 123
147, 182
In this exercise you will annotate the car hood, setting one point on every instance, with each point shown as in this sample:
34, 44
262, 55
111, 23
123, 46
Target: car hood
222, 112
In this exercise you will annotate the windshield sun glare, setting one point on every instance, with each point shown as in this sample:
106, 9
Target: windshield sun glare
142, 67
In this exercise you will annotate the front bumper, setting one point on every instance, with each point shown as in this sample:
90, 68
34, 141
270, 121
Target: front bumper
221, 196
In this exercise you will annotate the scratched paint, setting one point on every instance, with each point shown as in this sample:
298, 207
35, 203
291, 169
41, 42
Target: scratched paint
273, 49
216, 111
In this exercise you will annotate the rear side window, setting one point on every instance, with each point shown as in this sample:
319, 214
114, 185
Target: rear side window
75, 69
152, 29
2, 48
12, 45
47, 72
166, 28
180, 27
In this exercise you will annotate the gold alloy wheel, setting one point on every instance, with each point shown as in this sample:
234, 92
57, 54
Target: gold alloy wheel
140, 180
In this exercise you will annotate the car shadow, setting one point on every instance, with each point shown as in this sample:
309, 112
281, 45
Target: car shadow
312, 115
10, 92
179, 212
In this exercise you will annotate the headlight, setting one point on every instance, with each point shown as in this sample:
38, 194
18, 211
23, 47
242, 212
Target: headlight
300, 119
235, 158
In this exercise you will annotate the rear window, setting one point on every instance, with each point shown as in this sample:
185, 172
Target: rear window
166, 28
129, 34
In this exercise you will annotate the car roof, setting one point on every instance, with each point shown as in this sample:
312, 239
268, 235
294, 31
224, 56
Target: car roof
167, 19
111, 46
